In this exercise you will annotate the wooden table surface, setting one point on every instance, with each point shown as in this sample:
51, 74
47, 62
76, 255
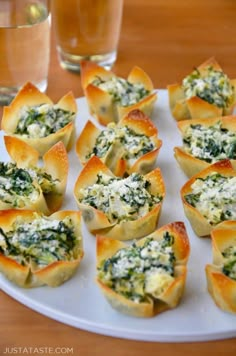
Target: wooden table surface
167, 38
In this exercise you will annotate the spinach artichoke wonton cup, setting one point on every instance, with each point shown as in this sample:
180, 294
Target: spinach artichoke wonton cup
110, 97
130, 146
34, 118
209, 197
206, 92
24, 184
36, 250
221, 275
123, 209
147, 277
206, 141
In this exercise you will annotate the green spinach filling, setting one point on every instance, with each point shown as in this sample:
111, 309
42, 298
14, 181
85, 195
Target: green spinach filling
45, 180
120, 199
229, 268
41, 241
17, 185
122, 91
210, 144
214, 197
138, 272
42, 120
134, 145
213, 86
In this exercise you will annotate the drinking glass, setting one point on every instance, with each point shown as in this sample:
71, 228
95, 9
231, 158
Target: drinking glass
87, 29
24, 45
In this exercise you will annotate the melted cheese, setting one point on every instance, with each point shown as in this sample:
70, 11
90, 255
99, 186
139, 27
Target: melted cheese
134, 145
122, 91
41, 240
213, 86
214, 197
210, 144
140, 271
42, 120
229, 266
119, 199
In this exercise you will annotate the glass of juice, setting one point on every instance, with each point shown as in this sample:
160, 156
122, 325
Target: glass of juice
87, 29
24, 45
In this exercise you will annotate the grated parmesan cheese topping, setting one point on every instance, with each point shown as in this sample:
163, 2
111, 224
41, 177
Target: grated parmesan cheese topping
137, 272
122, 91
42, 241
18, 185
214, 197
42, 120
120, 199
213, 86
210, 144
134, 145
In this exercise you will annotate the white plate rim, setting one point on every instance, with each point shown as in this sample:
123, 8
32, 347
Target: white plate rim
161, 112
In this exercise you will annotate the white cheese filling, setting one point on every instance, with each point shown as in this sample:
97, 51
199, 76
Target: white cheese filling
41, 240
214, 197
134, 145
19, 186
122, 91
229, 267
211, 143
120, 199
42, 120
212, 86
141, 271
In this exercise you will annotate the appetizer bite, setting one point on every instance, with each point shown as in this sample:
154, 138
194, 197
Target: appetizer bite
221, 275
125, 208
26, 185
209, 197
130, 146
34, 118
206, 141
206, 92
110, 97
147, 277
36, 250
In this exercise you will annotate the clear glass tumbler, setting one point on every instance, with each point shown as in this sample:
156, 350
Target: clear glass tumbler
24, 45
87, 29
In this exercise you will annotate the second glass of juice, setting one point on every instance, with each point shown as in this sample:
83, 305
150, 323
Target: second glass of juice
87, 29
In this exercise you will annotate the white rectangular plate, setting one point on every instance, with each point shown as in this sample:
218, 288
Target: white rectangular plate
80, 303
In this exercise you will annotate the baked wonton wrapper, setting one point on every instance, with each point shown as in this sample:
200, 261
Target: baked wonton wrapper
96, 220
115, 157
55, 164
221, 287
101, 103
195, 107
200, 224
30, 96
188, 162
31, 274
170, 295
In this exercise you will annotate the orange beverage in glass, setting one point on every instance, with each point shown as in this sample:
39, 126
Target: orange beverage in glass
87, 29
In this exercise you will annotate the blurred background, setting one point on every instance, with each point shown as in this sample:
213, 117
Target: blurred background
167, 38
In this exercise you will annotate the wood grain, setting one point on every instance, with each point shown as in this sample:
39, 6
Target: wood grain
167, 38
